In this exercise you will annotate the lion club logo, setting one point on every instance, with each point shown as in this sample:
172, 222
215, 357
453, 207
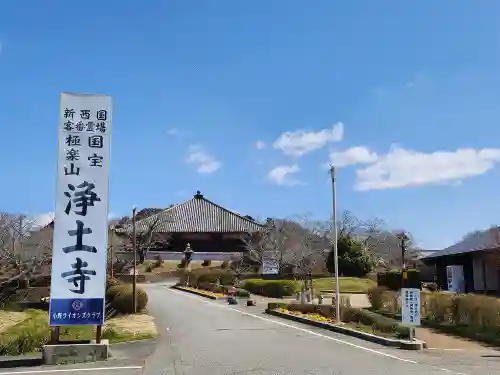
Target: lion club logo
77, 305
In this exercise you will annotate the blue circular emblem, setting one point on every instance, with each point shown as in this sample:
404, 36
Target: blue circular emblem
77, 305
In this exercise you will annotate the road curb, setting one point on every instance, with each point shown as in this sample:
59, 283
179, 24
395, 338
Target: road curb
21, 361
395, 343
198, 293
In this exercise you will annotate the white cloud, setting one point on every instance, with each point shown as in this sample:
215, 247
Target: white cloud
301, 142
204, 161
173, 131
402, 168
260, 145
282, 175
352, 156
41, 220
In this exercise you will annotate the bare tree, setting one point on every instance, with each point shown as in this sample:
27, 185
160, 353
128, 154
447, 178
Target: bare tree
24, 248
147, 236
295, 245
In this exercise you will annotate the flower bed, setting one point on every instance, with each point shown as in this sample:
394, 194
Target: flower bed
359, 323
359, 319
314, 316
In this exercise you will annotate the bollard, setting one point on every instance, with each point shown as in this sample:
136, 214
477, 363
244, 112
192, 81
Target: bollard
232, 301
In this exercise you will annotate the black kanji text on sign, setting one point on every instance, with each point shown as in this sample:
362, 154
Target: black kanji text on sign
79, 246
79, 275
84, 198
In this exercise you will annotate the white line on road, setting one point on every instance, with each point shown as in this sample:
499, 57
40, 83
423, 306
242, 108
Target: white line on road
209, 302
73, 369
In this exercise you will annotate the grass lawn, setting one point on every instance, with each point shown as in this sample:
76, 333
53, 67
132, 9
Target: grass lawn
347, 285
172, 265
11, 318
31, 333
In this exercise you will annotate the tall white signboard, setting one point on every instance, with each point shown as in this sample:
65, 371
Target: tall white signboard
81, 218
410, 306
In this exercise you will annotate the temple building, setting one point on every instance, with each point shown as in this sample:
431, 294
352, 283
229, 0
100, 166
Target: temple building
212, 231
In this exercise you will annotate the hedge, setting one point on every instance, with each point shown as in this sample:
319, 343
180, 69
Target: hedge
123, 302
211, 287
270, 288
199, 276
121, 295
468, 315
393, 279
113, 291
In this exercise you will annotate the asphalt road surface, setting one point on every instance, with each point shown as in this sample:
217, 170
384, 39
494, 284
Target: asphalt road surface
203, 337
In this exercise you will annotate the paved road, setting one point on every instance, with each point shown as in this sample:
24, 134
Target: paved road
203, 337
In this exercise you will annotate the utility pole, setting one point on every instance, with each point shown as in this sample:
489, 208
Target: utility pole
134, 246
403, 238
335, 243
21, 235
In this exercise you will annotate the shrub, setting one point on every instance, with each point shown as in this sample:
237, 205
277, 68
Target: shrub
277, 305
158, 261
211, 287
242, 293
206, 263
270, 288
115, 290
393, 279
376, 297
224, 264
110, 281
123, 302
149, 268
377, 322
225, 277
25, 342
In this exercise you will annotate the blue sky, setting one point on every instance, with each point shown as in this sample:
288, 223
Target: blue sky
247, 102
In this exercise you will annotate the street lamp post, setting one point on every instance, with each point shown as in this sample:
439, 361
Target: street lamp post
188, 254
335, 243
134, 247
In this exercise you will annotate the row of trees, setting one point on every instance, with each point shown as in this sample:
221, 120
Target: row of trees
303, 246
297, 245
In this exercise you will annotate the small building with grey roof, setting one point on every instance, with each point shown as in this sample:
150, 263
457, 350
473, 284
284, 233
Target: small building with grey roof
478, 254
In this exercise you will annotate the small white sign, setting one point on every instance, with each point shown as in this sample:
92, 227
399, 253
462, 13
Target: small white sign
270, 265
80, 238
410, 306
